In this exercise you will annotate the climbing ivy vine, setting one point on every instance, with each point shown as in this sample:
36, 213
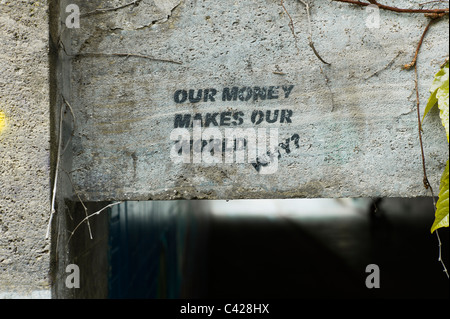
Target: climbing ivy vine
440, 97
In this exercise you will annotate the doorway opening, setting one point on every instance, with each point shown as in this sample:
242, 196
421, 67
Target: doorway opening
299, 248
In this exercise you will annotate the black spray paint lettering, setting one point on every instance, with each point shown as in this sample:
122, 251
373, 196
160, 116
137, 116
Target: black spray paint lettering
228, 118
217, 119
237, 144
257, 93
286, 145
243, 94
265, 161
259, 116
261, 162
213, 145
287, 90
222, 146
209, 146
206, 95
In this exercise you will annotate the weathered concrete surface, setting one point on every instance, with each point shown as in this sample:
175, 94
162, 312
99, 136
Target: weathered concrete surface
24, 150
355, 119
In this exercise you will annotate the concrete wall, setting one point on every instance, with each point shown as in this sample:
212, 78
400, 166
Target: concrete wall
24, 149
355, 118
351, 127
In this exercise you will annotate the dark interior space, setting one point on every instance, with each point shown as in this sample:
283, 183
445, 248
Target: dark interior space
258, 258
290, 249
326, 257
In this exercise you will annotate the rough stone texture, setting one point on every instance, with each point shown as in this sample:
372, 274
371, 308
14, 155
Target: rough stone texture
24, 149
355, 118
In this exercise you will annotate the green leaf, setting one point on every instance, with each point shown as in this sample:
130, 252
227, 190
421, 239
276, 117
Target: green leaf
442, 96
431, 103
442, 206
440, 78
439, 94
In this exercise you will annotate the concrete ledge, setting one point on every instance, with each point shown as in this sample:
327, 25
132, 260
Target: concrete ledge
348, 129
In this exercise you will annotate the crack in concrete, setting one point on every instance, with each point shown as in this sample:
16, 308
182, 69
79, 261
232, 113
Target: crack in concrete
165, 7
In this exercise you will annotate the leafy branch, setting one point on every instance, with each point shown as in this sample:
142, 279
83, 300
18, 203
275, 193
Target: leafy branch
440, 96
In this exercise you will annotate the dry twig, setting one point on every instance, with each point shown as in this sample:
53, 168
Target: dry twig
413, 62
135, 2
89, 216
395, 9
440, 253
82, 203
426, 183
59, 153
126, 55
291, 26
55, 182
311, 43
